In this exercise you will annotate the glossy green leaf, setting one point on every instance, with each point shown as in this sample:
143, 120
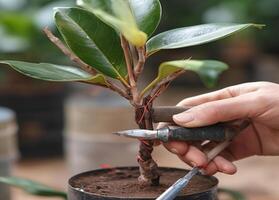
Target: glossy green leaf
33, 187
208, 70
92, 41
118, 14
49, 72
193, 35
147, 13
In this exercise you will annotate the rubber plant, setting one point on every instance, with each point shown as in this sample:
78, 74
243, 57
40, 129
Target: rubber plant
110, 41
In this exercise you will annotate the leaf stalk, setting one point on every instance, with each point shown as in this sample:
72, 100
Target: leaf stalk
132, 81
55, 40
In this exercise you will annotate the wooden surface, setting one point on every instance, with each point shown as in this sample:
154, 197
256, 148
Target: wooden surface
257, 178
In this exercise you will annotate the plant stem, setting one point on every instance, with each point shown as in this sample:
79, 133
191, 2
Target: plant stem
147, 88
134, 54
118, 89
133, 84
140, 65
149, 174
148, 167
55, 40
163, 85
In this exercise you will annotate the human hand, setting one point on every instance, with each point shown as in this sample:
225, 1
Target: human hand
258, 101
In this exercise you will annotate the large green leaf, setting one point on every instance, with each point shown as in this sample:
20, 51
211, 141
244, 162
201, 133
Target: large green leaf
91, 40
118, 14
147, 13
193, 35
52, 72
208, 70
33, 187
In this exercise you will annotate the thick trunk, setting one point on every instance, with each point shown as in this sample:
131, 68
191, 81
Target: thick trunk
148, 167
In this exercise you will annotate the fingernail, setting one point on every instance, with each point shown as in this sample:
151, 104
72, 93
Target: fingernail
185, 117
173, 150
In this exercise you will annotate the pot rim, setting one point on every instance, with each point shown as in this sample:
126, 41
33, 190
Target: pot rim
213, 178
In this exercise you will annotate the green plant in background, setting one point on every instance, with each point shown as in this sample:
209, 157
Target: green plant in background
110, 41
21, 22
32, 187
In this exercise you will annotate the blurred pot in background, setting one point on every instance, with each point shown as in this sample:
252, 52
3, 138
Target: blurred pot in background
8, 147
90, 122
39, 105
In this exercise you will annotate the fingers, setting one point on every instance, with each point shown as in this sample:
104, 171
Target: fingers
177, 147
220, 164
192, 156
225, 93
162, 125
243, 106
187, 153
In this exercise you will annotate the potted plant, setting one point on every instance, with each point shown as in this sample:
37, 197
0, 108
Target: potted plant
110, 41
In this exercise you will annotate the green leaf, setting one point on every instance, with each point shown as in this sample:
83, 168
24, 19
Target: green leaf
99, 79
49, 72
234, 194
117, 14
208, 70
147, 14
33, 187
92, 41
193, 35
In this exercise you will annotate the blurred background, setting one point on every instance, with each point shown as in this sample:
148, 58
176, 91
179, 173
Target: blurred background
64, 128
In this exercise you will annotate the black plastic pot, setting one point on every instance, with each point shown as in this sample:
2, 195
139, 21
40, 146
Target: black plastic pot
77, 193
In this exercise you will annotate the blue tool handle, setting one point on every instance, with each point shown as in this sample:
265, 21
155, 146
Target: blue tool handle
174, 190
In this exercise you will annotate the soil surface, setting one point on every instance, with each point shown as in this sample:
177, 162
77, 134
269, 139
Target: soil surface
123, 183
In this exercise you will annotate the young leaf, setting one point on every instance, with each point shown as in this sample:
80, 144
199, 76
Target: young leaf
92, 41
33, 187
208, 70
51, 72
147, 14
99, 79
118, 14
193, 35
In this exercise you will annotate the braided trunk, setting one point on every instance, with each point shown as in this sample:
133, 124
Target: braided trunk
148, 167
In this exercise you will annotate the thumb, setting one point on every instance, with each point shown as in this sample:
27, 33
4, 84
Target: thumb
219, 111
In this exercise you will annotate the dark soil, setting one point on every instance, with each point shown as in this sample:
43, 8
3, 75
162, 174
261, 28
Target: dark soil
123, 183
